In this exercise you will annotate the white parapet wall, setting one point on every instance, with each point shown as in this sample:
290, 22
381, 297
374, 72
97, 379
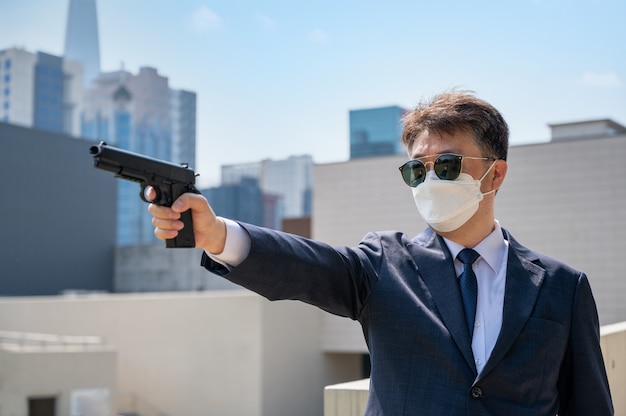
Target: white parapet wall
613, 343
350, 399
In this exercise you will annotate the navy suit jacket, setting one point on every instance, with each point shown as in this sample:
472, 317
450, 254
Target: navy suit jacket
404, 292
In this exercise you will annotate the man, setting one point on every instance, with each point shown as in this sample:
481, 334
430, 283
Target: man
496, 330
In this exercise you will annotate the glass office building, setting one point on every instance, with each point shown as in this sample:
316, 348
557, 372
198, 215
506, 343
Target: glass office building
290, 178
40, 90
376, 132
142, 114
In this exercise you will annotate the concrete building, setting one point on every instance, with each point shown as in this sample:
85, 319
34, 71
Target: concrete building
59, 228
40, 90
376, 132
47, 375
194, 354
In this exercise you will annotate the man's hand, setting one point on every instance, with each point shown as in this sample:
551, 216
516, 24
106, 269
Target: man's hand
209, 230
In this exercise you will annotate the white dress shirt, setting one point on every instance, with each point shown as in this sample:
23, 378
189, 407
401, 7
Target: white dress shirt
236, 248
490, 270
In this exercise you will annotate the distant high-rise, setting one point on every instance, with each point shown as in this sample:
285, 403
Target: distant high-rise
142, 114
242, 201
40, 90
290, 178
183, 117
376, 132
81, 38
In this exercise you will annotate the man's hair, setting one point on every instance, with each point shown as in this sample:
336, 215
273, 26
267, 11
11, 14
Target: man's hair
456, 112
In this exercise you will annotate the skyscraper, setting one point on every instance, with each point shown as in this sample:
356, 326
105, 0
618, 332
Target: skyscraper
142, 114
376, 131
81, 38
183, 116
40, 90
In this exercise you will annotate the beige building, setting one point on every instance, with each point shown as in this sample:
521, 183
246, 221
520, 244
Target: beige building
226, 353
43, 372
234, 353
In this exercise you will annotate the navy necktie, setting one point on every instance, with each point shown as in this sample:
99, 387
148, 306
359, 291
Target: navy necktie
469, 286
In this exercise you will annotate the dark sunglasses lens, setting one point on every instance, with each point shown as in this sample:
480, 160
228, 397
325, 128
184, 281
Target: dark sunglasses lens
413, 173
448, 167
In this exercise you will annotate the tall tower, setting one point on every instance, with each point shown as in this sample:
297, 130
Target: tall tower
81, 38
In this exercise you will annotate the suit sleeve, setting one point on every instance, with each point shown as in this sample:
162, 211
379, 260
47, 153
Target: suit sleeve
583, 384
284, 266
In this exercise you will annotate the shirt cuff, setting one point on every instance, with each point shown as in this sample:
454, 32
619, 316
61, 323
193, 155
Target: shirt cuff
236, 248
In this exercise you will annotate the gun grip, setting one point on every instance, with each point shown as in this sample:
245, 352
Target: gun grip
185, 237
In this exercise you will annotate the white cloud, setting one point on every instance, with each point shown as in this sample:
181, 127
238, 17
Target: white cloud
265, 20
601, 79
318, 36
205, 19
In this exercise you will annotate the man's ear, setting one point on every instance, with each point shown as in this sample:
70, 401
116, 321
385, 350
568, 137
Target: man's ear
499, 172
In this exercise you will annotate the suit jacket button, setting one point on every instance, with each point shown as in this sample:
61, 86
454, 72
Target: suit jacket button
476, 392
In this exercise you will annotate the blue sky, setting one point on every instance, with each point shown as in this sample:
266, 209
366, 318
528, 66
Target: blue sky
277, 78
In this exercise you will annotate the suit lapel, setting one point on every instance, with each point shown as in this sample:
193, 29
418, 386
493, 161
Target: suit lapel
436, 268
523, 281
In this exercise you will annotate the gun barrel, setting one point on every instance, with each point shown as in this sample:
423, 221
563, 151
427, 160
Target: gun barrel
136, 167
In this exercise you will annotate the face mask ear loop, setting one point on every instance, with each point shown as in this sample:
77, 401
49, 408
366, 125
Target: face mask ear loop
485, 174
488, 170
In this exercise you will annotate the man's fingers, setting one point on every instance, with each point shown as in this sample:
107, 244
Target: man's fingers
209, 232
159, 211
195, 202
166, 224
165, 234
165, 229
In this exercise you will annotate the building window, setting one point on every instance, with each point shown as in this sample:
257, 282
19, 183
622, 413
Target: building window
7, 91
42, 406
7, 78
7, 64
6, 105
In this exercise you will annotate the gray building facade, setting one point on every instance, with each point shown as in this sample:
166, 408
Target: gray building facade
58, 215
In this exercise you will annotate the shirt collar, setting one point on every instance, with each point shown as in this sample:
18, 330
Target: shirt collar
492, 249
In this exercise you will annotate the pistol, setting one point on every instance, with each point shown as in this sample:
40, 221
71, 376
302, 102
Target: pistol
169, 180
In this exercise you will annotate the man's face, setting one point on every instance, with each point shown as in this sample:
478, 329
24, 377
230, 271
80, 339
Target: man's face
431, 144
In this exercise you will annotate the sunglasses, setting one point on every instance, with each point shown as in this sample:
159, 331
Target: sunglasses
447, 166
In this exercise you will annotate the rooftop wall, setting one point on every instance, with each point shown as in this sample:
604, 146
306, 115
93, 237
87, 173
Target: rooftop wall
58, 213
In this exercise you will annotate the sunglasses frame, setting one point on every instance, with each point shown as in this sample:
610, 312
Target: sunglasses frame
439, 173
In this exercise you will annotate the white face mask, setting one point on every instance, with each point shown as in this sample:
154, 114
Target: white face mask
447, 205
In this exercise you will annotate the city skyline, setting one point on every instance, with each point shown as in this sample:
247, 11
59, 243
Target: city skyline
279, 79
